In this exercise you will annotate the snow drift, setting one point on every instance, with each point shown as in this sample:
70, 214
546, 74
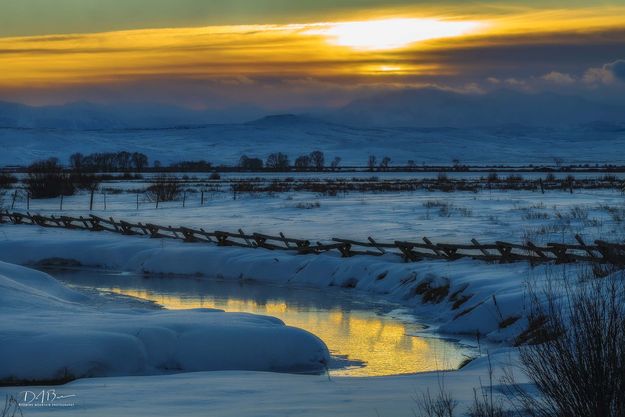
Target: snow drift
50, 332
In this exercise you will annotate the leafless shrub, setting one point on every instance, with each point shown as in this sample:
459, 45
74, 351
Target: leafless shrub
11, 408
578, 368
88, 182
434, 204
308, 205
441, 404
442, 177
514, 178
7, 180
485, 401
446, 209
579, 213
535, 215
163, 188
46, 179
464, 211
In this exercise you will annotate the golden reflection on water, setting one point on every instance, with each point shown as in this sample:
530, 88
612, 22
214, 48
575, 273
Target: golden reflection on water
382, 342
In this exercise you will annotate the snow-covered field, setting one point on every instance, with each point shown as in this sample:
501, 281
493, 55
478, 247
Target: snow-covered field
91, 337
457, 217
137, 347
226, 143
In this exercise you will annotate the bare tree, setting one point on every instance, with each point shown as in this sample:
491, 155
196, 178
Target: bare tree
558, 161
252, 164
302, 163
76, 162
277, 161
334, 165
371, 162
139, 161
317, 159
385, 162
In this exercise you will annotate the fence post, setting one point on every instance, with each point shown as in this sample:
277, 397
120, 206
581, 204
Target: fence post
137, 201
14, 197
91, 200
27, 200
105, 200
61, 207
184, 198
202, 199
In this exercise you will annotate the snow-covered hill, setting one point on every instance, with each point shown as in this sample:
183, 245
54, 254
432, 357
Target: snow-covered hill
422, 125
428, 107
91, 116
599, 143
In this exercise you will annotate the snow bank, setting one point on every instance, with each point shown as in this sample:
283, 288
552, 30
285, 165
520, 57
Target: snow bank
49, 332
247, 394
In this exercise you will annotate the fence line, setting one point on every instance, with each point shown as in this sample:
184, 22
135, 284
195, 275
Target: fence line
601, 252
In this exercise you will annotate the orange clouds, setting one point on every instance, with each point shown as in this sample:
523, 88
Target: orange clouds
397, 50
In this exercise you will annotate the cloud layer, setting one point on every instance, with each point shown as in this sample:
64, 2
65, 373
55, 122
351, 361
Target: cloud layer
294, 66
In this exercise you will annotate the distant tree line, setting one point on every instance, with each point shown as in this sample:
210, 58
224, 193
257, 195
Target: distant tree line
109, 162
372, 163
278, 161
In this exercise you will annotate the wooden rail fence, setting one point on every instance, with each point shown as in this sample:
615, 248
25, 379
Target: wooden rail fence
600, 252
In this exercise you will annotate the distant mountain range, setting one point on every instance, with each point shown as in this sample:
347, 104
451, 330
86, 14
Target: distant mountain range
416, 108
90, 116
436, 108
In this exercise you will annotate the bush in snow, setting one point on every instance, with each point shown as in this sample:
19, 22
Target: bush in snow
11, 408
46, 179
164, 188
576, 354
7, 180
441, 404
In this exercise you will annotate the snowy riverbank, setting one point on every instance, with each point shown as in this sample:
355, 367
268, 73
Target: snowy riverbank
52, 333
461, 297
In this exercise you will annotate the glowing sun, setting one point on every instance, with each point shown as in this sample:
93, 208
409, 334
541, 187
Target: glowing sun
392, 33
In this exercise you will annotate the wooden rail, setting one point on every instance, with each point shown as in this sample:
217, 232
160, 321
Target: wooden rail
600, 252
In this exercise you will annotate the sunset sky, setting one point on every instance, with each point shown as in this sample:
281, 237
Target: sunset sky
280, 54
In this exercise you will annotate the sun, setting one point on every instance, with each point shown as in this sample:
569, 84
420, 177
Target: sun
392, 33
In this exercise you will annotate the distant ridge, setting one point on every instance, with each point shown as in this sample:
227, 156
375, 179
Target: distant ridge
426, 108
286, 120
92, 116
431, 107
